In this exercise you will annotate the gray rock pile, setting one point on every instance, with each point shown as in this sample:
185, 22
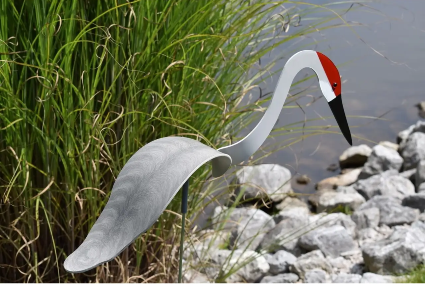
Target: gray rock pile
364, 225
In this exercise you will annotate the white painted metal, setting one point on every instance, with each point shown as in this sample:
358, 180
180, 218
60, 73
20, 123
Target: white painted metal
245, 148
155, 173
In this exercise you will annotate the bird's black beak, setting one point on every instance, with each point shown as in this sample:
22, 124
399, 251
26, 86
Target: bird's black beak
338, 111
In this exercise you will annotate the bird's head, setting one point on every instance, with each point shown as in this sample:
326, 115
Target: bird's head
330, 84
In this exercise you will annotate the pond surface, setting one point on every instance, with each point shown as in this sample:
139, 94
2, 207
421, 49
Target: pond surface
373, 84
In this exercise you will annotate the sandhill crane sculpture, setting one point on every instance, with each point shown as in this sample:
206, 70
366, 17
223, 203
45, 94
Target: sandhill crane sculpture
155, 173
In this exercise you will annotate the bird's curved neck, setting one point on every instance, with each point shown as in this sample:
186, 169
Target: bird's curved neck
245, 148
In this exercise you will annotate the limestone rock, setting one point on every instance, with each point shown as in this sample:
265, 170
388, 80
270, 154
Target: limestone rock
380, 160
281, 278
421, 108
289, 202
214, 239
419, 126
389, 144
248, 226
324, 220
345, 179
280, 262
371, 235
332, 241
388, 183
367, 218
339, 264
422, 217
355, 257
403, 250
291, 207
413, 150
204, 243
254, 266
303, 179
264, 181
375, 278
293, 212
313, 199
403, 135
350, 262
284, 236
421, 188
193, 276
343, 196
415, 201
420, 173
410, 175
355, 156
316, 276
311, 261
347, 278
391, 211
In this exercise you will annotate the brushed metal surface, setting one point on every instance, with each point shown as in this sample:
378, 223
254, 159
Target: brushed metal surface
142, 191
156, 172
245, 148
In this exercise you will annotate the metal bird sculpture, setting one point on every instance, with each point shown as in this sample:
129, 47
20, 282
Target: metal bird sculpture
155, 173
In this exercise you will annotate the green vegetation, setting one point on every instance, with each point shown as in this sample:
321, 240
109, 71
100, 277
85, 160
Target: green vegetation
417, 275
342, 209
85, 84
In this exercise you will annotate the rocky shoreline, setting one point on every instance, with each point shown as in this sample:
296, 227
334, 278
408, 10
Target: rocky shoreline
364, 225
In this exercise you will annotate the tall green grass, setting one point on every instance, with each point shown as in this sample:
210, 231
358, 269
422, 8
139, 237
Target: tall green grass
85, 84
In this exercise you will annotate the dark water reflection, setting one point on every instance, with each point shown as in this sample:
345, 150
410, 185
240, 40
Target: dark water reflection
374, 86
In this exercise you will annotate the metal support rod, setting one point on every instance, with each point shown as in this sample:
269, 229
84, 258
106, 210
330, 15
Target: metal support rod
185, 193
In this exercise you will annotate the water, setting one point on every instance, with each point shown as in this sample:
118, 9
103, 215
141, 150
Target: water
374, 85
